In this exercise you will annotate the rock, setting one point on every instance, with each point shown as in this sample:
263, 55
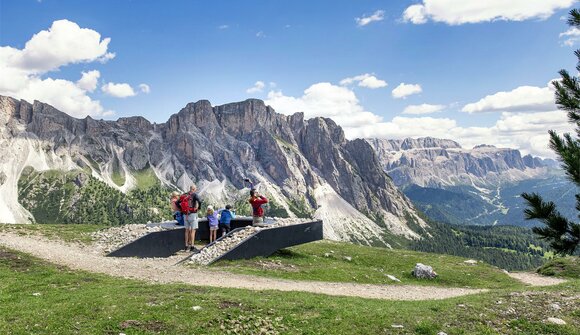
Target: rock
423, 271
326, 254
555, 307
196, 308
470, 262
556, 321
441, 333
397, 326
393, 278
347, 258
36, 294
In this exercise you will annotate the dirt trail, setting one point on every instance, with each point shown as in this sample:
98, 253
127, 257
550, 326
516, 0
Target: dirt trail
164, 270
534, 279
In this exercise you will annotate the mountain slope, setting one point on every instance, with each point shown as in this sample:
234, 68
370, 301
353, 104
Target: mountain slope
478, 186
305, 166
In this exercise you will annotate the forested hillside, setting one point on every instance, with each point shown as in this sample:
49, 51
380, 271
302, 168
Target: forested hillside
508, 247
76, 197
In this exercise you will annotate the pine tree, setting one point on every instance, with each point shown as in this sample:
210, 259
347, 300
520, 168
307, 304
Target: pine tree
562, 234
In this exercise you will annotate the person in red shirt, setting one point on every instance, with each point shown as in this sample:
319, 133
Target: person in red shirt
256, 201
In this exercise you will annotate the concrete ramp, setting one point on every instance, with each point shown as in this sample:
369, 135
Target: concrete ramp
262, 243
267, 241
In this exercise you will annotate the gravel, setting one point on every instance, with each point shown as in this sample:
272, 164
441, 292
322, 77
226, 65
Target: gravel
216, 250
113, 238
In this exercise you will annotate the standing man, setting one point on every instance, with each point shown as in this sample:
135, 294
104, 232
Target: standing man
189, 206
256, 201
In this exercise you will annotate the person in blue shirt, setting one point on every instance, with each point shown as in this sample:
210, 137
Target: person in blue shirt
226, 216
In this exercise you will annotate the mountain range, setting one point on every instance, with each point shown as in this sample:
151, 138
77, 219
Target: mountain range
306, 167
480, 186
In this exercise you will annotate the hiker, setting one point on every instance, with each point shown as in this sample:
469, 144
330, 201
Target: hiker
226, 216
190, 203
256, 201
176, 208
212, 221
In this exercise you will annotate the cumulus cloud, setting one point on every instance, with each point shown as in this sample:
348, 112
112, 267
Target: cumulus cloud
144, 88
365, 80
379, 15
89, 80
325, 100
118, 90
515, 129
572, 36
404, 90
423, 109
523, 98
456, 12
64, 43
257, 88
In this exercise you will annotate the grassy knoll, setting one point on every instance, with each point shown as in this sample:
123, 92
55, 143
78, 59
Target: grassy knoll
326, 261
66, 232
562, 267
40, 298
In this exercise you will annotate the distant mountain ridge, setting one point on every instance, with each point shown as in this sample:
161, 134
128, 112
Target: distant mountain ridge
307, 167
431, 162
478, 186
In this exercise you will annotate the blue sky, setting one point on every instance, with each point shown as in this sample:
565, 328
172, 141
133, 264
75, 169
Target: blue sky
457, 52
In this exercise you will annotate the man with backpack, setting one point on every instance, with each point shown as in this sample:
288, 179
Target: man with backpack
190, 203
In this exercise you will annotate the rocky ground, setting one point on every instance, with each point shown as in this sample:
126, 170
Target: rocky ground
212, 252
113, 238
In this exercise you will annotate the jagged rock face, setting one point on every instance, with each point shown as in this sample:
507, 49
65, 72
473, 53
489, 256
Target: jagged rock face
436, 163
305, 164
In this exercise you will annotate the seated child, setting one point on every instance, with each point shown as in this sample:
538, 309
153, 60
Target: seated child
226, 216
212, 220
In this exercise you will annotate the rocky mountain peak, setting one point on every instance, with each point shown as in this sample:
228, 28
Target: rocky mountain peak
307, 167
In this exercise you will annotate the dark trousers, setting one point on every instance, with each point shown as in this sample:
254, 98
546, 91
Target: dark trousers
224, 228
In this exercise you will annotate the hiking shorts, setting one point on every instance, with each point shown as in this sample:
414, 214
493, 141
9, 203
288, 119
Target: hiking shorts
191, 221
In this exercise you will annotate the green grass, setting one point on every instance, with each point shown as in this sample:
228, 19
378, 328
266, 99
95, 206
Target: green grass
562, 267
368, 265
66, 232
145, 178
40, 298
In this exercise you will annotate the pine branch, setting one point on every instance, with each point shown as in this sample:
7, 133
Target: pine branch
574, 18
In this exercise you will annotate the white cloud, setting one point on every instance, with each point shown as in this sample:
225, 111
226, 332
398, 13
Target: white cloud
326, 100
365, 80
144, 88
223, 26
121, 90
404, 90
64, 43
521, 130
260, 34
89, 80
379, 15
523, 98
257, 88
423, 109
455, 12
572, 36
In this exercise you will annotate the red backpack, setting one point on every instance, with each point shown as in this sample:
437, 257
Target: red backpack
184, 203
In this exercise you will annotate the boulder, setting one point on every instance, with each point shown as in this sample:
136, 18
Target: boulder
423, 271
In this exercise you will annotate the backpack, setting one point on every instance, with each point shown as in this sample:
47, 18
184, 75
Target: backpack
183, 203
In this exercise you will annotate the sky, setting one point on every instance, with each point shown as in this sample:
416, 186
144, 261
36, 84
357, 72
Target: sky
477, 72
